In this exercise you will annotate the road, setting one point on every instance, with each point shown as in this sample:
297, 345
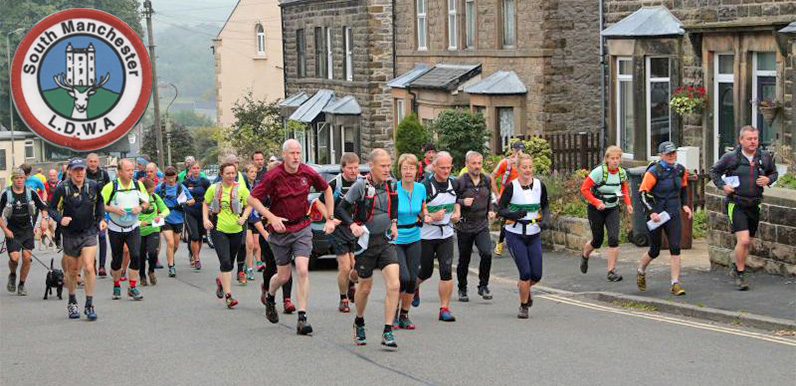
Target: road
181, 334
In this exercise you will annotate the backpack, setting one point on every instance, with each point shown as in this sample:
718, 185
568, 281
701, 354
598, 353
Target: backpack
365, 213
757, 160
161, 191
9, 208
604, 181
234, 203
89, 184
435, 192
136, 185
658, 168
338, 185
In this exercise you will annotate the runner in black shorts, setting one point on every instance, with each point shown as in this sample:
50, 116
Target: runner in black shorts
20, 205
743, 174
175, 196
197, 185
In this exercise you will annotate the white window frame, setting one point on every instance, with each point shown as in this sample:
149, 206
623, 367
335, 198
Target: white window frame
649, 81
260, 34
329, 55
30, 145
422, 25
719, 78
756, 73
619, 79
453, 30
400, 110
348, 40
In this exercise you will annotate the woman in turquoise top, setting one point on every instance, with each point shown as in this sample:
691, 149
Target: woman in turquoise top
411, 209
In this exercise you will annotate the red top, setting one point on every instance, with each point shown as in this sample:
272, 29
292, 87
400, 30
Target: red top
588, 183
288, 194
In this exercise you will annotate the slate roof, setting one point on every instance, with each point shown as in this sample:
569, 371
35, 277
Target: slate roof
499, 83
313, 107
346, 105
294, 100
404, 80
445, 76
790, 29
646, 22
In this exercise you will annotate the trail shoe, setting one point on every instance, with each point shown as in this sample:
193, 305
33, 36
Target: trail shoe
117, 293
102, 272
231, 302
352, 291
21, 290
90, 313
740, 280
641, 281
303, 327
197, 264
135, 293
12, 282
260, 266
677, 290
499, 249
219, 289
405, 324
523, 314
344, 307
416, 299
613, 276
463, 296
270, 312
172, 272
445, 315
152, 278
288, 307
584, 264
359, 335
241, 278
249, 274
143, 281
485, 293
74, 312
388, 340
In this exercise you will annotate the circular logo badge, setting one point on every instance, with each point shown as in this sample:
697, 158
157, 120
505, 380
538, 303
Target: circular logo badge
81, 79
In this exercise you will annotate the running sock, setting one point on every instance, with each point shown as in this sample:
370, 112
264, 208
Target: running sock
641, 271
72, 299
343, 297
22, 282
675, 282
387, 328
132, 283
404, 312
270, 298
117, 283
89, 301
359, 322
228, 295
302, 315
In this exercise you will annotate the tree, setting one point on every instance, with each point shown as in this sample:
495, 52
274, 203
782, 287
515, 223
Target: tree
539, 149
459, 131
191, 119
257, 126
206, 144
182, 143
410, 136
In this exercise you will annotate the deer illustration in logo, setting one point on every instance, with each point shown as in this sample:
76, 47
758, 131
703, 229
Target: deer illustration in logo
81, 98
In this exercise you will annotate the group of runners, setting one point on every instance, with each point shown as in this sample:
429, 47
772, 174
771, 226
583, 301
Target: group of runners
257, 217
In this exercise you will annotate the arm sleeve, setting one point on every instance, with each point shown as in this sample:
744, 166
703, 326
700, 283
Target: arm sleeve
718, 169
626, 193
458, 187
2, 200
343, 212
58, 194
37, 200
322, 197
585, 190
684, 190
646, 186
492, 204
771, 171
99, 208
545, 203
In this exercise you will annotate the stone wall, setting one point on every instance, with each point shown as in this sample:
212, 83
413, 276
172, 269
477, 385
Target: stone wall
567, 232
774, 247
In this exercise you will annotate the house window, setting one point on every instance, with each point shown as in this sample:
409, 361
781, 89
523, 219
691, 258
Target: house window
323, 156
329, 55
509, 25
349, 140
260, 40
453, 33
505, 126
469, 16
764, 86
3, 163
301, 54
625, 127
29, 149
320, 53
348, 44
724, 108
399, 109
421, 25
659, 128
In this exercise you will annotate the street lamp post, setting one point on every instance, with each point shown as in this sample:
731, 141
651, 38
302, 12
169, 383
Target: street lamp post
10, 98
168, 118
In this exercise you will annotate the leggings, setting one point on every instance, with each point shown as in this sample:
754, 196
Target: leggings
527, 254
241, 256
267, 257
227, 245
606, 218
409, 262
133, 241
483, 242
193, 221
103, 247
442, 249
673, 231
149, 251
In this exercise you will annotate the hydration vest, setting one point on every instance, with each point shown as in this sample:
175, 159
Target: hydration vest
161, 191
439, 200
128, 220
529, 201
8, 210
364, 211
338, 186
234, 203
667, 188
608, 198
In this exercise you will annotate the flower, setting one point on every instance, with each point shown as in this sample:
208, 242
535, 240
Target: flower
686, 100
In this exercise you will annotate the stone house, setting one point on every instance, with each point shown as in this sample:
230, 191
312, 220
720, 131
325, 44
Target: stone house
739, 51
530, 66
338, 58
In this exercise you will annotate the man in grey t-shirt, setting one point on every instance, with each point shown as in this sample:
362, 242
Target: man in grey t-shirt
368, 205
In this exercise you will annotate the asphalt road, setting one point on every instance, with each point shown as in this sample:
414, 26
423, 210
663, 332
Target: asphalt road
181, 334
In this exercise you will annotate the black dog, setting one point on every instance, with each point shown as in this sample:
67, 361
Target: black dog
55, 279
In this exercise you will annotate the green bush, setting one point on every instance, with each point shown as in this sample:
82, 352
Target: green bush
539, 149
787, 181
563, 192
700, 225
410, 136
459, 131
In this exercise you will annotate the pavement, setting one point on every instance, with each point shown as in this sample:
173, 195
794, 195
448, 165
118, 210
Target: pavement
181, 334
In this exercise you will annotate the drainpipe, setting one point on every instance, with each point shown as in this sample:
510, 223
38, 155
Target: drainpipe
394, 44
414, 101
603, 128
284, 51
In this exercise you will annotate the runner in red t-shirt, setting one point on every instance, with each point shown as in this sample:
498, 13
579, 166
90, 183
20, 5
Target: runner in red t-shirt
287, 186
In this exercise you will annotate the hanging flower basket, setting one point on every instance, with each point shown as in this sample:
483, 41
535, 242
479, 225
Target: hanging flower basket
687, 100
769, 109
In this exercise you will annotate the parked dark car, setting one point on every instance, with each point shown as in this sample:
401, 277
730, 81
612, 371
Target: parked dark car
321, 243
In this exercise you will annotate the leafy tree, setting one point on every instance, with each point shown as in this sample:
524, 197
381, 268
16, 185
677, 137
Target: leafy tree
410, 136
182, 143
206, 143
257, 126
539, 149
459, 131
191, 119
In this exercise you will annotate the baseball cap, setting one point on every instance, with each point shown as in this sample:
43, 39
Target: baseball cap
518, 145
429, 147
667, 147
17, 172
76, 163
141, 161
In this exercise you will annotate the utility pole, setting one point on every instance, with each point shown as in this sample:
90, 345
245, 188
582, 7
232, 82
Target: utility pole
155, 95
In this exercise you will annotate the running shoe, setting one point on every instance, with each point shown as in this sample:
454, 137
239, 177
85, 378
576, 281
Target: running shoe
21, 290
172, 272
303, 327
416, 299
158, 265
499, 249
12, 282
584, 264
445, 315
197, 264
343, 306
135, 293
523, 314
74, 312
270, 312
117, 293
90, 313
288, 306
677, 290
740, 280
388, 340
260, 266
219, 289
193, 263
405, 324
152, 278
143, 281
231, 302
463, 296
613, 276
249, 274
641, 281
359, 335
102, 272
241, 278
485, 293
